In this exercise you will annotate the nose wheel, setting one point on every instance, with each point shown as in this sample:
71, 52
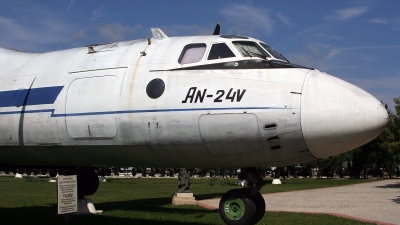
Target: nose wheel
243, 206
237, 207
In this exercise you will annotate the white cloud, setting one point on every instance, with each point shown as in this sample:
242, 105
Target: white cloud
97, 13
116, 31
7, 22
348, 13
318, 32
378, 21
336, 51
71, 4
248, 19
284, 19
18, 36
36, 36
393, 24
315, 56
79, 34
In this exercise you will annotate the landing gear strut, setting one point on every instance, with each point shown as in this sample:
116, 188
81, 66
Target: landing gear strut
244, 206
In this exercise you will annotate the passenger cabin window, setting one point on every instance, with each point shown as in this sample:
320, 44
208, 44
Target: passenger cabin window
220, 51
192, 53
250, 49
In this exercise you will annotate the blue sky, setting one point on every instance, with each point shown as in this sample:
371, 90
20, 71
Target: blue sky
358, 41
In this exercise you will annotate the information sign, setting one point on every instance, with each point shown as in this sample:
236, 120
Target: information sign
67, 201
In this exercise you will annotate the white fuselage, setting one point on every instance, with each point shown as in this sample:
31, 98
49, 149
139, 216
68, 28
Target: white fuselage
75, 108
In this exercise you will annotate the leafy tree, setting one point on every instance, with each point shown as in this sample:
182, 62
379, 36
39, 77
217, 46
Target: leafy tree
390, 145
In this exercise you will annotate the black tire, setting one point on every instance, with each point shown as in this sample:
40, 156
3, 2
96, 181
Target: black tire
92, 181
87, 179
260, 208
237, 208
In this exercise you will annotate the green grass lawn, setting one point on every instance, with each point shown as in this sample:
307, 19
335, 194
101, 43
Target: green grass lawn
145, 201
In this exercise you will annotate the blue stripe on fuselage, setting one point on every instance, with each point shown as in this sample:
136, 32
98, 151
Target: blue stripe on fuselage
140, 111
34, 96
161, 110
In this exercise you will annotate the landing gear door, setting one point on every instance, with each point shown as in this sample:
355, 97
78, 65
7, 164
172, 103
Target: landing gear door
230, 134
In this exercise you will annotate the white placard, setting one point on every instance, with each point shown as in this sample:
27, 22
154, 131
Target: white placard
67, 200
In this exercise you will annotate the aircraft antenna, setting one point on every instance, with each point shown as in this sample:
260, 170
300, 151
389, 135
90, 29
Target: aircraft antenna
158, 34
217, 28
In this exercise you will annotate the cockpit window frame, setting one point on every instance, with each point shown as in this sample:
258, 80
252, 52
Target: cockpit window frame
189, 46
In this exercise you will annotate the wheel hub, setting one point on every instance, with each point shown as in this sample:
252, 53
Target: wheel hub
234, 208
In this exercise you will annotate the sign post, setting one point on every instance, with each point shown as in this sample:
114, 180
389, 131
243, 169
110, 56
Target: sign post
67, 200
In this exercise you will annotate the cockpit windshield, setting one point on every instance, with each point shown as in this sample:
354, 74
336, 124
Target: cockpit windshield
273, 52
250, 49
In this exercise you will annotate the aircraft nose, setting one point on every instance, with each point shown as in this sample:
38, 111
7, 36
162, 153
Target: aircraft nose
337, 116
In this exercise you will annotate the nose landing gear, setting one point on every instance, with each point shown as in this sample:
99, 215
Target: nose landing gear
244, 206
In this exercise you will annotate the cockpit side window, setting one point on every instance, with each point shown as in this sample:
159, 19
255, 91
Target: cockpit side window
273, 52
250, 49
220, 51
192, 53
